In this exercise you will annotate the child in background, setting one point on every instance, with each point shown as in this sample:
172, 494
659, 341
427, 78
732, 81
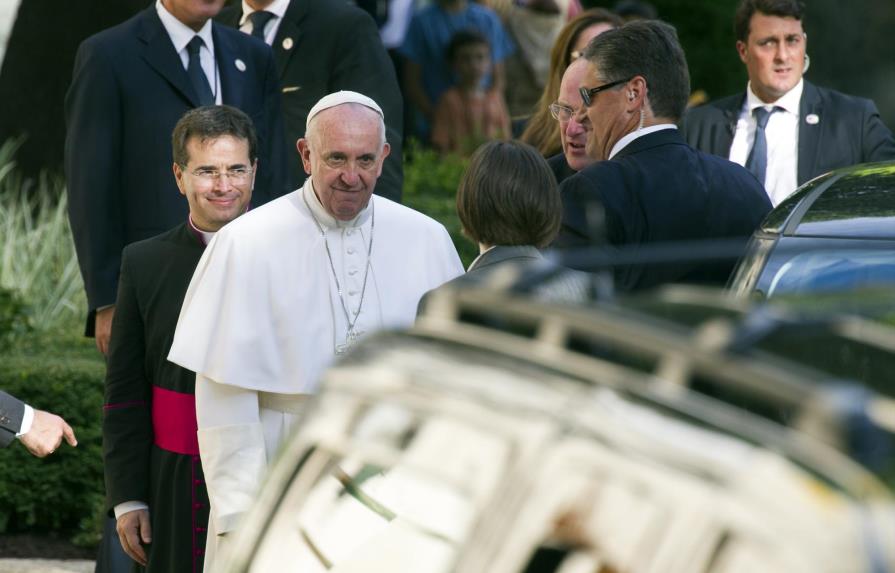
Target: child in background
468, 115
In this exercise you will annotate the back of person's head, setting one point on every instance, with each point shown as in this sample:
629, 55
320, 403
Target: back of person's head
508, 196
747, 8
542, 130
647, 48
212, 122
635, 10
460, 40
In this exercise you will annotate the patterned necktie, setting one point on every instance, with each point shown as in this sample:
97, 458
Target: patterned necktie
757, 162
259, 20
197, 76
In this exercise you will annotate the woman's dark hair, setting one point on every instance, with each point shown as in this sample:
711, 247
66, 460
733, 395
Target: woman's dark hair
508, 196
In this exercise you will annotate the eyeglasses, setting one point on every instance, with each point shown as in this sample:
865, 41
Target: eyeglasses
237, 175
587, 94
561, 112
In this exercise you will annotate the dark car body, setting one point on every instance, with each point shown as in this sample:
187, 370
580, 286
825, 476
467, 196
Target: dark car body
835, 233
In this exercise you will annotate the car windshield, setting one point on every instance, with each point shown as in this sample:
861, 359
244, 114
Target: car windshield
836, 270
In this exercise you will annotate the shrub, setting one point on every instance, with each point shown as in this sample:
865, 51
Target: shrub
13, 318
63, 492
430, 187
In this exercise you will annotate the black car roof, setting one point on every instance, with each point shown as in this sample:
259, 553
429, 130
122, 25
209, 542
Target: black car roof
854, 203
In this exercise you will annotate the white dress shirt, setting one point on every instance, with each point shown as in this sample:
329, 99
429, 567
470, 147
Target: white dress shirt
623, 142
782, 135
180, 35
277, 8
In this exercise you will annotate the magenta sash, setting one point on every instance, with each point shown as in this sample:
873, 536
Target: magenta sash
174, 421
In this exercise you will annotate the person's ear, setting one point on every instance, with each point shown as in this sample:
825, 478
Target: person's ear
178, 177
304, 151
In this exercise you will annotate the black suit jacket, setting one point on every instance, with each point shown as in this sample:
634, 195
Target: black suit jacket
128, 91
12, 410
323, 46
848, 131
560, 167
155, 274
660, 189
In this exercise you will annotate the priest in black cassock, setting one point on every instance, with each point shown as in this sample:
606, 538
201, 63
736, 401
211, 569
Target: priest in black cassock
154, 480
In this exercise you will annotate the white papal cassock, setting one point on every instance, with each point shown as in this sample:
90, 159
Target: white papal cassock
262, 318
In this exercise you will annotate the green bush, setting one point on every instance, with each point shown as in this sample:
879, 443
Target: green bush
63, 492
13, 318
430, 187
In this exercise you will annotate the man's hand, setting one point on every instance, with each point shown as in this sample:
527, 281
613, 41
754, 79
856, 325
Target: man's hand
46, 433
134, 532
102, 328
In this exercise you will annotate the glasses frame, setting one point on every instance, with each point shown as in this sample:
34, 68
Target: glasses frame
555, 108
210, 179
587, 94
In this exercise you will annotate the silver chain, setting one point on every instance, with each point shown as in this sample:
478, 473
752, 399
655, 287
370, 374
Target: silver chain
350, 335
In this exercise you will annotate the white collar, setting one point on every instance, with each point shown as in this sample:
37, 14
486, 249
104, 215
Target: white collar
180, 33
788, 101
207, 236
277, 8
324, 218
623, 142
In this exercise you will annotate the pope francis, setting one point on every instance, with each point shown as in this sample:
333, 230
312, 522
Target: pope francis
282, 290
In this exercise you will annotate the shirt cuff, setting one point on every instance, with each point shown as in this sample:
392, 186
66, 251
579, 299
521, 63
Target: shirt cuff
127, 507
27, 420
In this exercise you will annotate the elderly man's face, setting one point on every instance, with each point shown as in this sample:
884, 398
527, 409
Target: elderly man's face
774, 54
344, 158
572, 132
609, 113
217, 180
193, 13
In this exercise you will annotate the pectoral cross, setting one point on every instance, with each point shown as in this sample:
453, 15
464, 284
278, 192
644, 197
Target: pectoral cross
350, 341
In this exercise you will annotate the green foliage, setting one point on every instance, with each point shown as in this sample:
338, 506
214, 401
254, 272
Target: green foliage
430, 186
13, 317
37, 256
62, 492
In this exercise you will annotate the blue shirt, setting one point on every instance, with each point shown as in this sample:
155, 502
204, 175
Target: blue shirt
430, 33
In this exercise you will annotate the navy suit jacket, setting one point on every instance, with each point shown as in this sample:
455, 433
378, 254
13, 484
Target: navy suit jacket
323, 46
660, 189
12, 410
848, 131
128, 90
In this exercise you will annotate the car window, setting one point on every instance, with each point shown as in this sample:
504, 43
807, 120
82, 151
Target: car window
836, 270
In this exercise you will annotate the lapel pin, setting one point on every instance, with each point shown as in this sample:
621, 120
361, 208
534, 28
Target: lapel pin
812, 119
287, 43
240, 65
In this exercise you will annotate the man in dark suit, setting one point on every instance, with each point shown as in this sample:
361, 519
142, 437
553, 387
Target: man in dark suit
573, 127
154, 479
321, 47
131, 84
39, 431
651, 185
783, 128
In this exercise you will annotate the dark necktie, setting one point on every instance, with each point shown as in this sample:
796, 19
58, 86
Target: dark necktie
259, 20
757, 162
197, 76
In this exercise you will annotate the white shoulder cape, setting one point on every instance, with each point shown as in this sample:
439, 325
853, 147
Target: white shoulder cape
258, 313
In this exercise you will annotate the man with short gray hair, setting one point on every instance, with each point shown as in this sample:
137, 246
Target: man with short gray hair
652, 186
284, 290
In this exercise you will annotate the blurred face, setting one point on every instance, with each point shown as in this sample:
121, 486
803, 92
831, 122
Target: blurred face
471, 64
217, 180
193, 13
572, 132
612, 115
343, 156
586, 36
774, 54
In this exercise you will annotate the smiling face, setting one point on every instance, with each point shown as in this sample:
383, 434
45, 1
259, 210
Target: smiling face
343, 153
215, 201
774, 54
572, 132
611, 114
